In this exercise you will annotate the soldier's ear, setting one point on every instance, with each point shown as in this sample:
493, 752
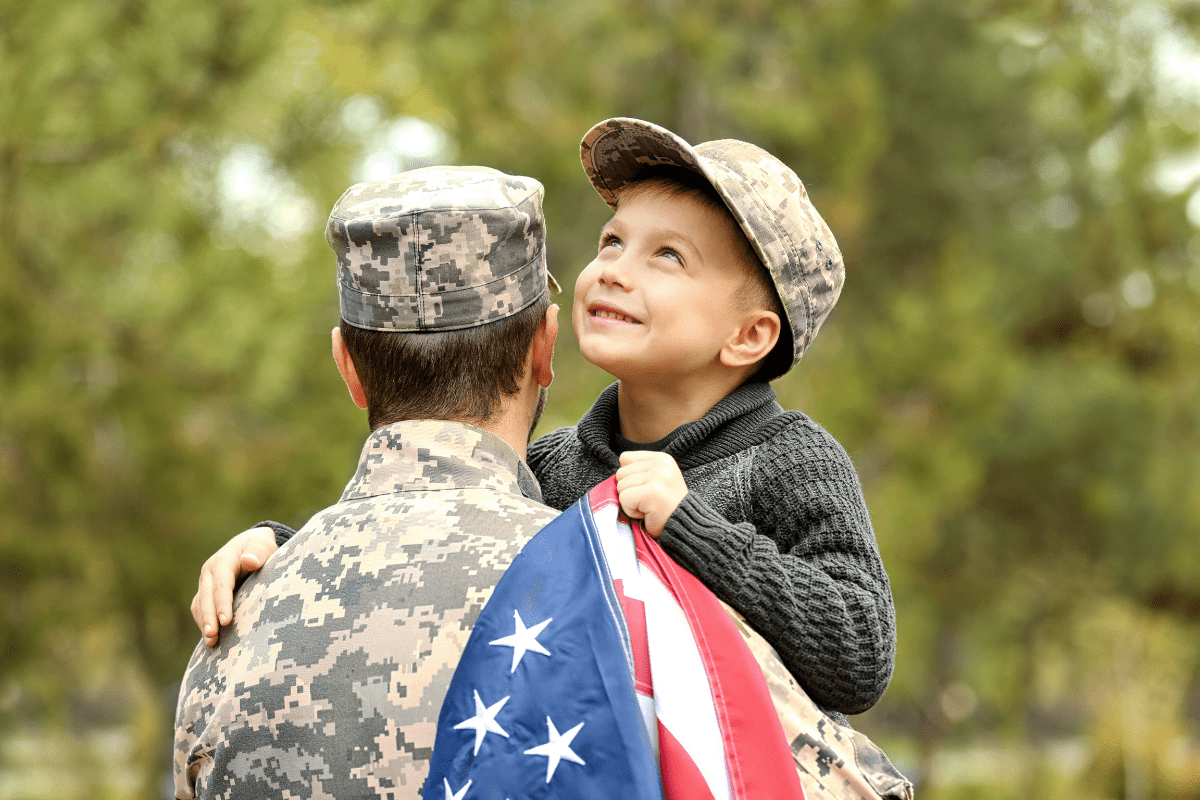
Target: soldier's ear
542, 350
345, 365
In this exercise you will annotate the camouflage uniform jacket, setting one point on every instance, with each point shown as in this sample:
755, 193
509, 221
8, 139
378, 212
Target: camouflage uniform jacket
330, 681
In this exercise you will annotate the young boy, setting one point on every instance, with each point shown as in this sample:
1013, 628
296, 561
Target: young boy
711, 279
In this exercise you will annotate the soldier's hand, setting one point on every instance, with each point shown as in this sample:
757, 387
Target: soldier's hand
650, 487
212, 606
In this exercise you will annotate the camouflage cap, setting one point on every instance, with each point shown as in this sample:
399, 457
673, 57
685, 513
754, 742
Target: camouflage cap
764, 195
439, 249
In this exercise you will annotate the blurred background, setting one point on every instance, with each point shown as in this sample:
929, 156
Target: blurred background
1014, 365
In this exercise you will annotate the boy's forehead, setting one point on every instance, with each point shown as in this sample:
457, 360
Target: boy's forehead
680, 215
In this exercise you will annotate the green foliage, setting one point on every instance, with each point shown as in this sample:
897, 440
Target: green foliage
1011, 365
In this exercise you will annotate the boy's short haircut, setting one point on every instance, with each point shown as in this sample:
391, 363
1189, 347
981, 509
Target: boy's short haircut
757, 290
763, 194
459, 375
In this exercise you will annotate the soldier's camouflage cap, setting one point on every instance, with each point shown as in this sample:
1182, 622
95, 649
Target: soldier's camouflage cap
439, 249
764, 195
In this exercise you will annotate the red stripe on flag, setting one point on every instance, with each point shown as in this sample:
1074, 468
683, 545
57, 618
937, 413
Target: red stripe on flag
757, 754
635, 620
603, 494
681, 777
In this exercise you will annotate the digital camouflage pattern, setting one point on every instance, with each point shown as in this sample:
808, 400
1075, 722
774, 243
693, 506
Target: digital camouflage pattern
835, 762
764, 195
438, 249
329, 682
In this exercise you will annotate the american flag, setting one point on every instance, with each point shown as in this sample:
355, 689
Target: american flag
555, 693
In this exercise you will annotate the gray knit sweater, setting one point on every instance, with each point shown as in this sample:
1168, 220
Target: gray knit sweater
774, 523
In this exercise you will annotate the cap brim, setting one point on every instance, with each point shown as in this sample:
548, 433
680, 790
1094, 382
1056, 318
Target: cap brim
614, 152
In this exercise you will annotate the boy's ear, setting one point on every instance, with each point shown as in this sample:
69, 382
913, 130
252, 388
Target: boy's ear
753, 341
345, 365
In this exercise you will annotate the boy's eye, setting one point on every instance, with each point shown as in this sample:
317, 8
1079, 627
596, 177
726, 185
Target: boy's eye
671, 254
608, 240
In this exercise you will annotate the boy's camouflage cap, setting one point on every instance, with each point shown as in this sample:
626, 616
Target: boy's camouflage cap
439, 249
763, 194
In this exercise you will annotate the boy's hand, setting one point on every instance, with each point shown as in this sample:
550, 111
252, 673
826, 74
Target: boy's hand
650, 487
213, 604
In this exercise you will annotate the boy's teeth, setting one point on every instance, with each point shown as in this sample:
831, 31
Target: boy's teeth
611, 315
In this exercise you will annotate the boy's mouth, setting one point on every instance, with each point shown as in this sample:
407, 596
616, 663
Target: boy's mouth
605, 312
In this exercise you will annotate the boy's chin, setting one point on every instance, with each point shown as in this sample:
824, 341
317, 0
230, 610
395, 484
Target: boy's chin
613, 364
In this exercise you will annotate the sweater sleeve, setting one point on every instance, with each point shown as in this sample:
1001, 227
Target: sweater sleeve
282, 532
807, 574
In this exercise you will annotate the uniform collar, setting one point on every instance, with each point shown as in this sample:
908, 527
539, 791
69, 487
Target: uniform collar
431, 454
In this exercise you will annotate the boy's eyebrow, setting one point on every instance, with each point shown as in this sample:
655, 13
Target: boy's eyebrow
614, 222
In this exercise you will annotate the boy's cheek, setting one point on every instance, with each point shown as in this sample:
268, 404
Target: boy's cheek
577, 314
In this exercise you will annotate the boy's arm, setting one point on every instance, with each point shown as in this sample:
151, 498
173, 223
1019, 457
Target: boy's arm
809, 577
212, 607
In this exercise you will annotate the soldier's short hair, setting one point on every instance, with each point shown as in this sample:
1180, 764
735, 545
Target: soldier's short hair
457, 374
442, 284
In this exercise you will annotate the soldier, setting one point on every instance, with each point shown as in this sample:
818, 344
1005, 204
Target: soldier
329, 682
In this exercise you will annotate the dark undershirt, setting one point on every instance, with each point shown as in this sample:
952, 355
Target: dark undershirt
620, 444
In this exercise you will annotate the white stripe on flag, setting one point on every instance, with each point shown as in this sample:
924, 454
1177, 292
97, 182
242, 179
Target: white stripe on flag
682, 696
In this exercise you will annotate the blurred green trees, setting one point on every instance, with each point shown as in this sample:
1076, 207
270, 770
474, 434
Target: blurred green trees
1012, 365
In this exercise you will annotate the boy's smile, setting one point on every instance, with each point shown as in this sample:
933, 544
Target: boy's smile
604, 312
662, 296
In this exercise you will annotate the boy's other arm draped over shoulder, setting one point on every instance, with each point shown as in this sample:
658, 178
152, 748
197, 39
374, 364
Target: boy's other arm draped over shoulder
808, 576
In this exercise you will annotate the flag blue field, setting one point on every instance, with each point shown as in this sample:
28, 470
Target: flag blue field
542, 703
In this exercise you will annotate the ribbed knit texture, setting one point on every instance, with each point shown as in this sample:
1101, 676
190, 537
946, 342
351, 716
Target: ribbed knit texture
774, 523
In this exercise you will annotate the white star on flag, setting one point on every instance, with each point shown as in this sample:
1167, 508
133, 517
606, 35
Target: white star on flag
484, 721
558, 748
455, 795
523, 639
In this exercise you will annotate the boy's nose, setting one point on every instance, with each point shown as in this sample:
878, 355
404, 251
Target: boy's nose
614, 274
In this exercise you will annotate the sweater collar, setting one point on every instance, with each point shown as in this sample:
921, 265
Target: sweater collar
427, 454
708, 438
